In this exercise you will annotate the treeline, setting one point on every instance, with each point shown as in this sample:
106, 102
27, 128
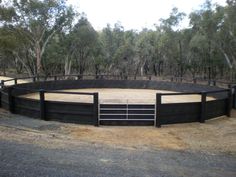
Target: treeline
49, 37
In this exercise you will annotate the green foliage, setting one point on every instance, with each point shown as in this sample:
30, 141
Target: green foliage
35, 22
49, 37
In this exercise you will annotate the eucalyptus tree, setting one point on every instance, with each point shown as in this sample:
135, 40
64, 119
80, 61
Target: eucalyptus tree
211, 36
196, 54
117, 48
37, 22
56, 55
171, 43
84, 40
14, 50
226, 38
145, 48
106, 38
124, 57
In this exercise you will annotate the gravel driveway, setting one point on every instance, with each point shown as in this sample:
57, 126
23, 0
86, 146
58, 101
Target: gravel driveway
32, 148
19, 159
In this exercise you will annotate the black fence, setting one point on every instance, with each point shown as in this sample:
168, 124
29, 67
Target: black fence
195, 80
73, 112
95, 114
219, 105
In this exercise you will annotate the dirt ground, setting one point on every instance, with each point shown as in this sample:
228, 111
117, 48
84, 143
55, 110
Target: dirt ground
119, 96
214, 136
30, 147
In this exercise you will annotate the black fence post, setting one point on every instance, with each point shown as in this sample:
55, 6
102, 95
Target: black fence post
34, 78
209, 82
234, 97
203, 107
2, 83
10, 100
158, 110
229, 104
42, 105
0, 97
15, 81
38, 78
55, 78
214, 83
95, 109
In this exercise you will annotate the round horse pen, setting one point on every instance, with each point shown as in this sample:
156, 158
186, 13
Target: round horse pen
103, 101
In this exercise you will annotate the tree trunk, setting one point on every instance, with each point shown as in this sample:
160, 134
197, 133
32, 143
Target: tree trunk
67, 67
4, 70
142, 68
180, 59
38, 57
181, 71
209, 73
23, 63
154, 69
97, 70
159, 68
136, 71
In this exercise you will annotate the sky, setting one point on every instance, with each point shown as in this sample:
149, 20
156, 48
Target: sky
134, 14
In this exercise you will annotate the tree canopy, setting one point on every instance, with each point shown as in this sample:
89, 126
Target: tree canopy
50, 37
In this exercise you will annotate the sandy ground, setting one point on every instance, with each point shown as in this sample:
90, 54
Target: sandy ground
214, 136
113, 95
119, 96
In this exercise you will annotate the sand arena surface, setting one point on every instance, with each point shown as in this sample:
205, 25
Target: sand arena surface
146, 96
114, 95
20, 81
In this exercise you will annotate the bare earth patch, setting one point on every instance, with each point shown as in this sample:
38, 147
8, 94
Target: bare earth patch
214, 136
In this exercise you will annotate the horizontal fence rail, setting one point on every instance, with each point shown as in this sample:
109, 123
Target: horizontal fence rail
167, 113
199, 80
51, 110
97, 113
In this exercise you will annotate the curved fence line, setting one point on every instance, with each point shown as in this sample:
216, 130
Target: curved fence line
195, 80
88, 113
